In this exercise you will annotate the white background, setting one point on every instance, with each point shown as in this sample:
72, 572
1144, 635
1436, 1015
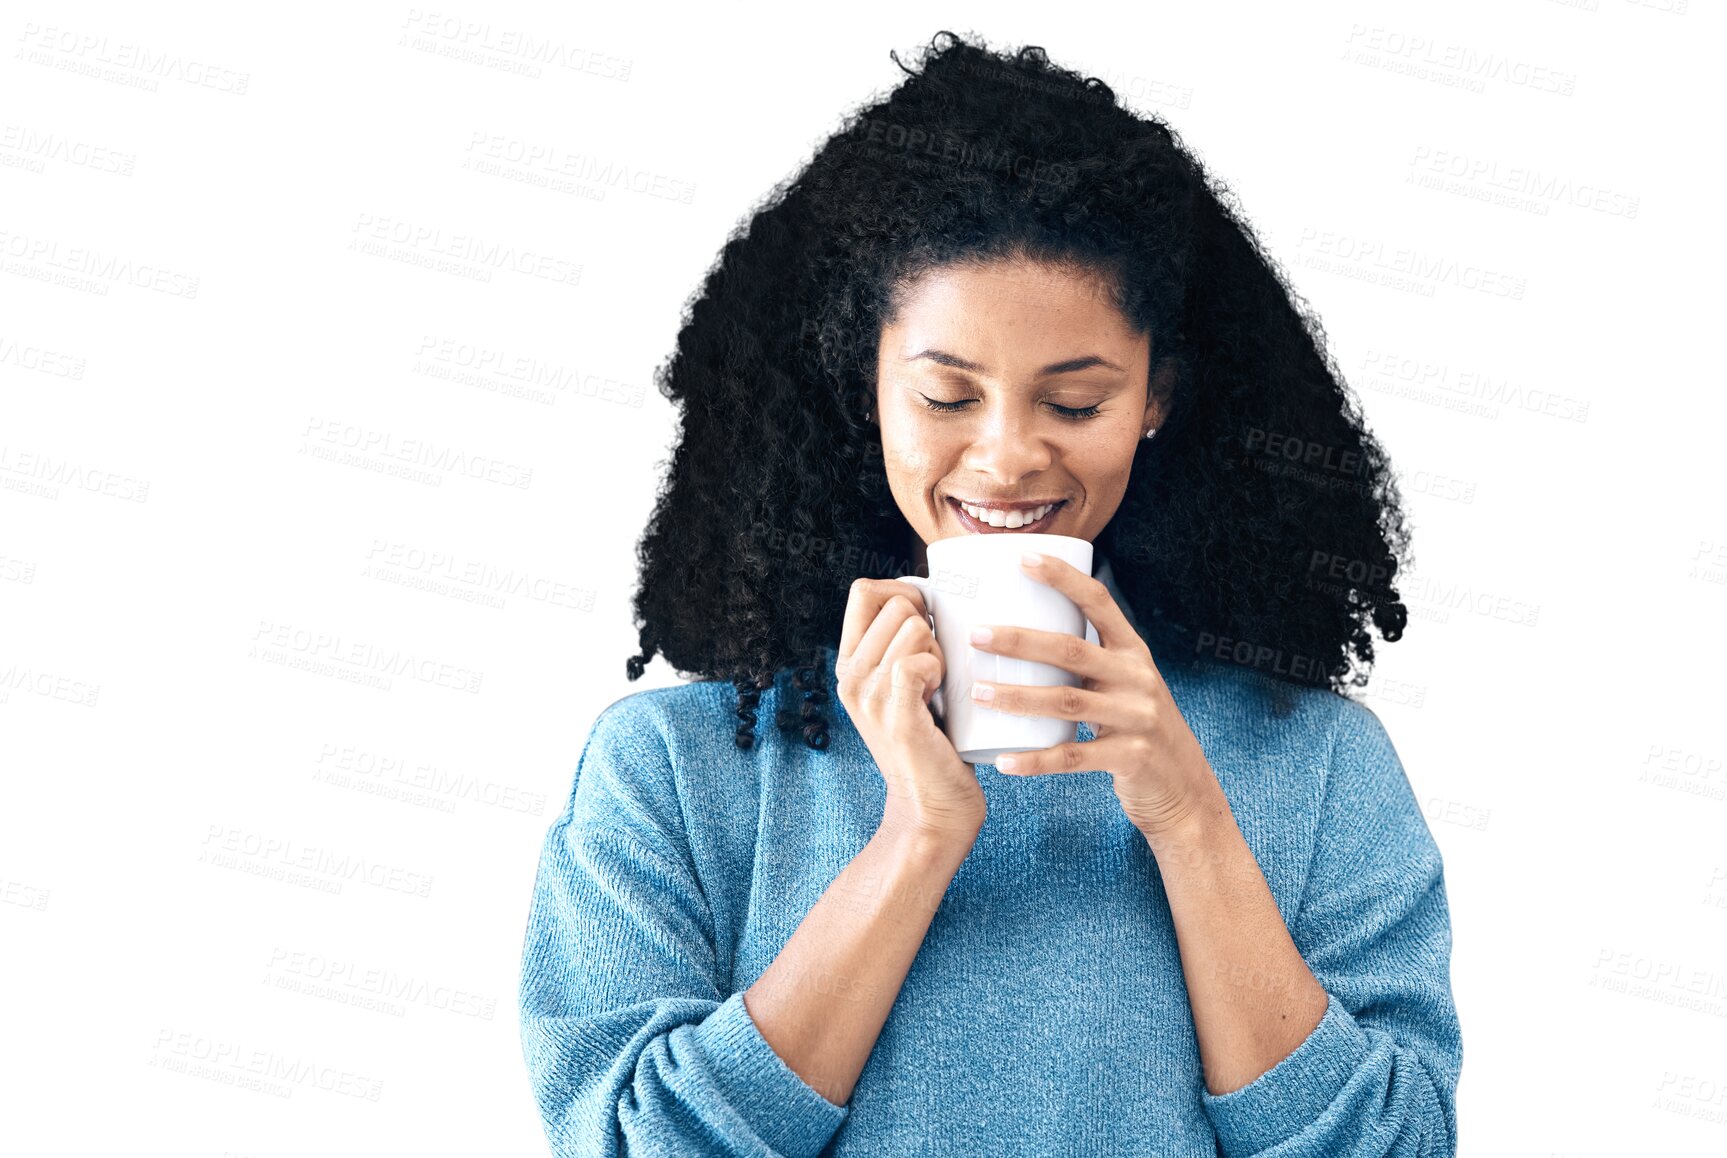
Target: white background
198, 322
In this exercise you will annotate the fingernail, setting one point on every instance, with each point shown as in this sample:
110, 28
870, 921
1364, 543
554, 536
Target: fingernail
1005, 763
1031, 558
981, 635
982, 692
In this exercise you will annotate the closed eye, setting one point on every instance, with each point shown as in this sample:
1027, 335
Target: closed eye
1075, 413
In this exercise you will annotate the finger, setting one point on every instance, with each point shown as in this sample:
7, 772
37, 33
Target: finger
911, 637
913, 678
940, 670
1062, 703
896, 684
1092, 597
933, 649
864, 603
893, 616
1073, 756
910, 592
877, 634
1058, 649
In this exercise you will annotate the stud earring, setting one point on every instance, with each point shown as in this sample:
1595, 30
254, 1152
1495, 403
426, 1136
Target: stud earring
1151, 432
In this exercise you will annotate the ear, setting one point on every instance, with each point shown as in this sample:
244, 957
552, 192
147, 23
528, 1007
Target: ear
1160, 391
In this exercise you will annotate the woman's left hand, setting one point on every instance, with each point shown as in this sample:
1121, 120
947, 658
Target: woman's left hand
1161, 775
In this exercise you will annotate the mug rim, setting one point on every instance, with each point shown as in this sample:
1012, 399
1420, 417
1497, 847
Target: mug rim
929, 547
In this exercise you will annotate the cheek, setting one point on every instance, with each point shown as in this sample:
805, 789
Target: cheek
1106, 455
913, 454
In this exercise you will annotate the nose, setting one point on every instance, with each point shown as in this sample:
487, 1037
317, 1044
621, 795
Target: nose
1008, 448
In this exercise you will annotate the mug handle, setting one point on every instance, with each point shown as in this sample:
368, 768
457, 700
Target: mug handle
922, 584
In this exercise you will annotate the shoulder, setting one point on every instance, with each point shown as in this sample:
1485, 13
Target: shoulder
636, 767
1301, 741
1370, 802
1263, 710
1361, 752
689, 728
672, 721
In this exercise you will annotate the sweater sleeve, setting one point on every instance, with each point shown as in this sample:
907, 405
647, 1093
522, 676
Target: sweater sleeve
1378, 1075
630, 1046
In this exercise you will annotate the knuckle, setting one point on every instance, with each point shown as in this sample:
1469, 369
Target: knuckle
1072, 650
1071, 701
1071, 757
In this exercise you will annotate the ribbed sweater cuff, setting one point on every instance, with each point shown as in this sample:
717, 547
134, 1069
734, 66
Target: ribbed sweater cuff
1290, 1096
781, 1108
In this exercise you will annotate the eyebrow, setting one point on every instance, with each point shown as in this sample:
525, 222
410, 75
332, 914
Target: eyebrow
943, 358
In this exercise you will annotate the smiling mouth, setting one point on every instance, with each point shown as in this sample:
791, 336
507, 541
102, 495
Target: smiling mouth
977, 526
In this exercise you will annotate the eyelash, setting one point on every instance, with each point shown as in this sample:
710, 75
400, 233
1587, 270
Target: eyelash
1072, 413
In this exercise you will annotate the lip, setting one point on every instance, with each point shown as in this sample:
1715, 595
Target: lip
977, 528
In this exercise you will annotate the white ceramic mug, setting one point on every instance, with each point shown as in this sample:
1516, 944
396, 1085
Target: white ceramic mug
974, 580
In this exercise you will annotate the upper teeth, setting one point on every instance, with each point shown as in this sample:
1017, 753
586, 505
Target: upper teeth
1000, 518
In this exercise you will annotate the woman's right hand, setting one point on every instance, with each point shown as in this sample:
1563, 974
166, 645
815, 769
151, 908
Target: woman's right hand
888, 667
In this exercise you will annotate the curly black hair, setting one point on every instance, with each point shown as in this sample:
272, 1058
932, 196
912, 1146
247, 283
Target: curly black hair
1261, 527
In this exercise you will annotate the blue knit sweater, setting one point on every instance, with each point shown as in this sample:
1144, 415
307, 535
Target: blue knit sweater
1046, 1012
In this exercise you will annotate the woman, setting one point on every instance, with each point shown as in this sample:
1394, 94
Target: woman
1215, 923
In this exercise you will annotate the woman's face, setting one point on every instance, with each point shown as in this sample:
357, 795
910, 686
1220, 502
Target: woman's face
1049, 390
